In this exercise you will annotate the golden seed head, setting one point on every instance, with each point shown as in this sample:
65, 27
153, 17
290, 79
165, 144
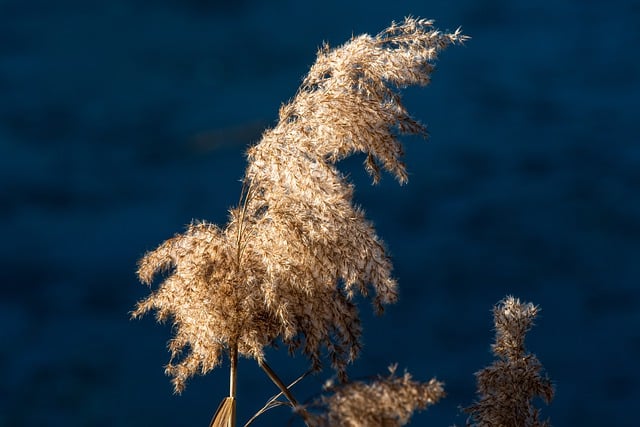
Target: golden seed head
297, 248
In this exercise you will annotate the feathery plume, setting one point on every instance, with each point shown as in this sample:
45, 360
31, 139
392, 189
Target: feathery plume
386, 402
296, 250
508, 387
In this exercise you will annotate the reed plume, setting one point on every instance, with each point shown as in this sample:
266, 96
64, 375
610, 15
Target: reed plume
507, 388
385, 402
296, 249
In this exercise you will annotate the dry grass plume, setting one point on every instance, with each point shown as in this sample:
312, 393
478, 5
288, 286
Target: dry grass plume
297, 249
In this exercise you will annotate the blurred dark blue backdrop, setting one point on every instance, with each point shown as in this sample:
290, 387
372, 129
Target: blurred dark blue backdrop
122, 121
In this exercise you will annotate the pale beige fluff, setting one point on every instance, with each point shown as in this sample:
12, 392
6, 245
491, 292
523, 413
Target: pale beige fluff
385, 402
297, 249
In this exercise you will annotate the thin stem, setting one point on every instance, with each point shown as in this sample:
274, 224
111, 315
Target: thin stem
233, 377
233, 373
284, 389
245, 195
273, 402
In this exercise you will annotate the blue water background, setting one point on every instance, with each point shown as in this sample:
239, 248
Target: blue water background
122, 121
